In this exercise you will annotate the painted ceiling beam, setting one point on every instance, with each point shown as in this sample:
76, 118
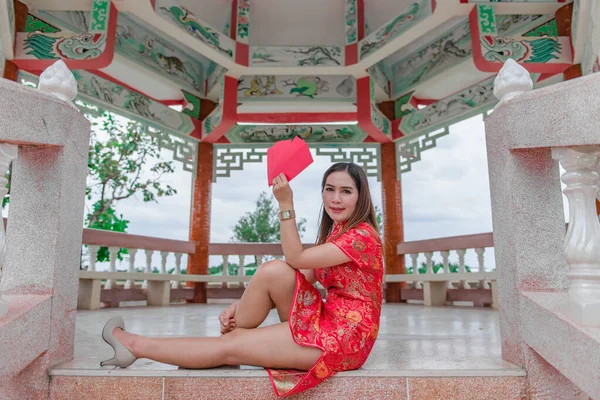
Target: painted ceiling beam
36, 51
224, 116
550, 55
370, 118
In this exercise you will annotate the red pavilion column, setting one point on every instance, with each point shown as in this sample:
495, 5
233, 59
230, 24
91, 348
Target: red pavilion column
200, 220
392, 212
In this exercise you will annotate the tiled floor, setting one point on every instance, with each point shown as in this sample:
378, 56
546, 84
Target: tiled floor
414, 341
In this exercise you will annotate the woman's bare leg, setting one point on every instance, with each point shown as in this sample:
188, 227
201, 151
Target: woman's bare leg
271, 286
267, 347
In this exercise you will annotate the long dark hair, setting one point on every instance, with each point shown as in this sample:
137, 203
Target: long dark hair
364, 211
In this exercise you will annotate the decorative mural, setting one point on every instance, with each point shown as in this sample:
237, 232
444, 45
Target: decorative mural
351, 21
34, 24
137, 43
185, 20
310, 133
415, 13
297, 56
214, 77
403, 106
111, 96
243, 21
276, 87
212, 120
145, 47
192, 106
378, 75
461, 105
494, 50
450, 49
96, 94
86, 45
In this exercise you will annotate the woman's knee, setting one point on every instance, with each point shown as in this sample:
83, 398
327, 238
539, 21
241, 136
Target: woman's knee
275, 268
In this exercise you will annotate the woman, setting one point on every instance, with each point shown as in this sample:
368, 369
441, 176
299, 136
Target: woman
320, 337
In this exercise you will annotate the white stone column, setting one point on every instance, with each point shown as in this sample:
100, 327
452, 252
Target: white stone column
130, 284
483, 284
241, 269
148, 269
114, 252
414, 257
461, 267
163, 261
445, 254
225, 269
93, 256
582, 241
177, 284
8, 152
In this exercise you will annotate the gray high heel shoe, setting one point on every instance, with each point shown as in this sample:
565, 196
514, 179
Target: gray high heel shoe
123, 357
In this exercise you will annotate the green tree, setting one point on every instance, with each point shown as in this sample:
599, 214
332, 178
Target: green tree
379, 219
262, 224
123, 161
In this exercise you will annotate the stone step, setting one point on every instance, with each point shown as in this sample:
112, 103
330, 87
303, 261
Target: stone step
231, 383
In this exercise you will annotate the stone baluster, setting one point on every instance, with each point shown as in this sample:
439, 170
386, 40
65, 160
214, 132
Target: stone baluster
177, 284
163, 261
130, 284
483, 284
93, 256
259, 260
148, 269
225, 269
113, 254
445, 254
241, 271
582, 241
461, 267
429, 261
414, 257
8, 152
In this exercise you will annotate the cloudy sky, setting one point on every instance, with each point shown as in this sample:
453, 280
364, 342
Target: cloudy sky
445, 194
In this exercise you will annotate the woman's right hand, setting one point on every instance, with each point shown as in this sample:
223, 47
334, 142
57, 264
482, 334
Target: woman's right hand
227, 318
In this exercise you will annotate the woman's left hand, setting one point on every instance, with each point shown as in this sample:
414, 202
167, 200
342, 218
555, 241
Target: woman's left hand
282, 191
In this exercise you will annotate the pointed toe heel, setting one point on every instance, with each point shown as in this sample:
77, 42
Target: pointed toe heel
123, 357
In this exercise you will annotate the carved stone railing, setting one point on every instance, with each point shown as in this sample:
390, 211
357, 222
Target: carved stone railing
111, 287
445, 287
43, 233
549, 282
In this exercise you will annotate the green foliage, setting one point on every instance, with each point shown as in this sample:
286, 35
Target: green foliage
436, 268
119, 154
379, 219
262, 224
249, 269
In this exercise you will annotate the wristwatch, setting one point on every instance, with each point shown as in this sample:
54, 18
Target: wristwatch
286, 214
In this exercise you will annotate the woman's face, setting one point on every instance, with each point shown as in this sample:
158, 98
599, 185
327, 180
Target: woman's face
340, 196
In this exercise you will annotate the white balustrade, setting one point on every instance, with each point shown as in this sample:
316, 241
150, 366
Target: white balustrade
93, 250
113, 254
445, 255
148, 269
582, 241
177, 284
414, 257
225, 269
461, 267
130, 282
241, 269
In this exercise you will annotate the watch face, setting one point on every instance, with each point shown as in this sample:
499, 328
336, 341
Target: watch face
285, 214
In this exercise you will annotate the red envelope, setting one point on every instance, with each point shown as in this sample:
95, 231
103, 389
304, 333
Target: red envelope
289, 157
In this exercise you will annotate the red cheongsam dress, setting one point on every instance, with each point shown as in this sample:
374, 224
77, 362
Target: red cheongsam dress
345, 325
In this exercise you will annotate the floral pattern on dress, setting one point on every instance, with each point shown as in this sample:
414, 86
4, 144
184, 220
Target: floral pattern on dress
345, 326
